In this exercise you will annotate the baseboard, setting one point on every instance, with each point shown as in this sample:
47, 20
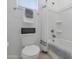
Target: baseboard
13, 57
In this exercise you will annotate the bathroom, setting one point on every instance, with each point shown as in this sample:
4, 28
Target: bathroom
45, 24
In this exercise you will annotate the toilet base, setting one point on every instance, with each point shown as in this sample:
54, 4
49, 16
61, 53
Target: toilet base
45, 52
21, 58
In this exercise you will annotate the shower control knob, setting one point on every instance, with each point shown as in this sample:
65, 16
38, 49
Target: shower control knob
53, 3
52, 31
54, 36
53, 40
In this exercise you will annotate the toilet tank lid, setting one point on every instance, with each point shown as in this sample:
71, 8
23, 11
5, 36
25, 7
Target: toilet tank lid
31, 50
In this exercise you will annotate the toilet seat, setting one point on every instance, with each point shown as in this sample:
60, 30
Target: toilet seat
31, 50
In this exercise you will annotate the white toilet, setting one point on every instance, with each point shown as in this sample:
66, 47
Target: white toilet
30, 50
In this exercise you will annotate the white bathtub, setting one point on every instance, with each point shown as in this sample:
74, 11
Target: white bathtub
61, 47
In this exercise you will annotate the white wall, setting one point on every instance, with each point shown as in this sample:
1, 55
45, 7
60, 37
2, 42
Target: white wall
66, 17
58, 4
15, 22
64, 3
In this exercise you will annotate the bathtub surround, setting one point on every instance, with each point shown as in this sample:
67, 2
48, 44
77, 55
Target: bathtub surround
57, 17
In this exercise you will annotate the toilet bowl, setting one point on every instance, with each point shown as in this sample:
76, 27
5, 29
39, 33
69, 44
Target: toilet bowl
30, 52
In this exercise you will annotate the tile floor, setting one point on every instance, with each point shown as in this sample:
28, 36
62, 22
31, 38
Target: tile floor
44, 56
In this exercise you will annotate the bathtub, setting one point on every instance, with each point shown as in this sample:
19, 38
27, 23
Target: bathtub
61, 48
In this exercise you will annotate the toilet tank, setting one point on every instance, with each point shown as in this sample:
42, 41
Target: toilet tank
29, 37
